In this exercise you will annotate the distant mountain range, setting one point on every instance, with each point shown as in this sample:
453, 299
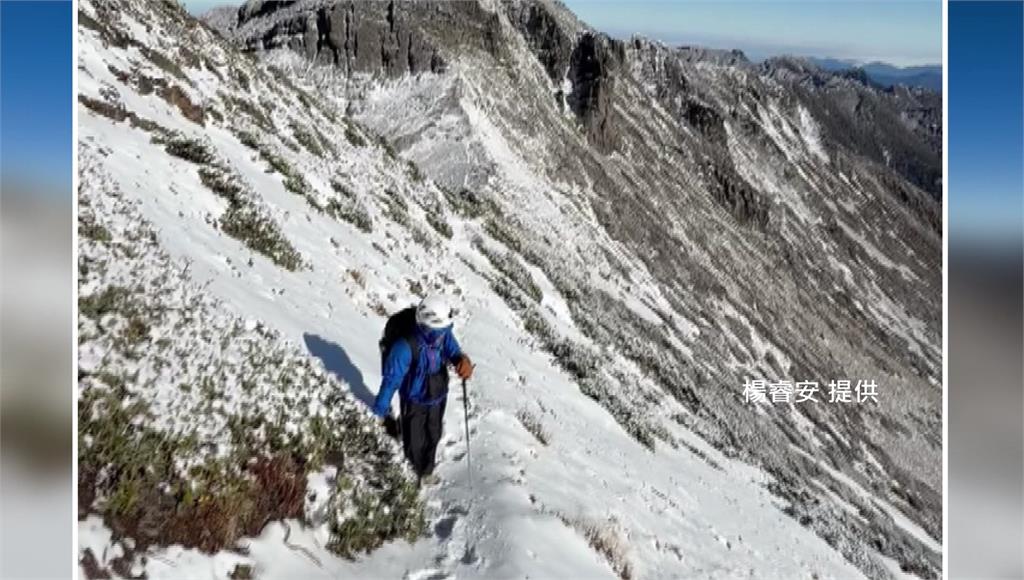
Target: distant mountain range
887, 75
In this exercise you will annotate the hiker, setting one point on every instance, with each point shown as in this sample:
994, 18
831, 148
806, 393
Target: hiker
416, 348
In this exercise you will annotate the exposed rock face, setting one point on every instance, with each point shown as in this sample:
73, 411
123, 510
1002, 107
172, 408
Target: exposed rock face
365, 36
899, 127
734, 193
396, 38
586, 60
592, 69
548, 39
222, 19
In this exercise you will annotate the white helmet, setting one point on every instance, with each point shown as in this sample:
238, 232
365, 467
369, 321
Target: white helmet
434, 312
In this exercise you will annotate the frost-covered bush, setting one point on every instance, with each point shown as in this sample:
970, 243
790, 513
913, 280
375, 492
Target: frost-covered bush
246, 220
497, 229
293, 178
222, 182
198, 428
353, 136
307, 139
414, 172
421, 236
533, 425
509, 265
248, 139
368, 508
347, 206
470, 204
606, 539
396, 208
343, 190
256, 114
257, 231
113, 111
93, 231
510, 293
353, 212
325, 143
437, 220
574, 358
194, 150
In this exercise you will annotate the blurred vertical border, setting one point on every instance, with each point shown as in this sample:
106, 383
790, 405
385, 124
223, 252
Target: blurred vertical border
36, 289
985, 293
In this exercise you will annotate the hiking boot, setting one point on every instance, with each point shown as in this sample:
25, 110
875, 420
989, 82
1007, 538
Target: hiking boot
429, 479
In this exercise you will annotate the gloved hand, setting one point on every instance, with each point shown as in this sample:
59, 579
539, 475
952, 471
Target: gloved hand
390, 425
464, 367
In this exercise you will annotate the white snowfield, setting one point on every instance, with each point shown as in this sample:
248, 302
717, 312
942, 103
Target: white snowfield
591, 502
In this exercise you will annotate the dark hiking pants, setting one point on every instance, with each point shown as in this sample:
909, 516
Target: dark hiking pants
421, 432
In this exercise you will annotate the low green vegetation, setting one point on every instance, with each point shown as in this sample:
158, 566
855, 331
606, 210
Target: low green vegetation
437, 220
307, 139
352, 212
471, 205
353, 136
187, 148
196, 428
533, 425
347, 206
243, 219
509, 265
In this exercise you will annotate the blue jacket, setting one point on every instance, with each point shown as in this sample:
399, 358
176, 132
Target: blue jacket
437, 348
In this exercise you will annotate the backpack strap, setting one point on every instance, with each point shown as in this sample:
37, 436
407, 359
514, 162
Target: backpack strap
414, 348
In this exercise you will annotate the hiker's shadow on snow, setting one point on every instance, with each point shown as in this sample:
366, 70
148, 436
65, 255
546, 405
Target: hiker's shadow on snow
336, 361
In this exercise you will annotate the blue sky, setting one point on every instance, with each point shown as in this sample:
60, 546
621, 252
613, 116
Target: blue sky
900, 32
36, 103
986, 119
200, 6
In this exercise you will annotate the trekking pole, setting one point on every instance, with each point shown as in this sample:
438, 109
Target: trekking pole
465, 415
469, 556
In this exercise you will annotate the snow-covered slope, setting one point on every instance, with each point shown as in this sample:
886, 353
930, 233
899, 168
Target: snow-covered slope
612, 307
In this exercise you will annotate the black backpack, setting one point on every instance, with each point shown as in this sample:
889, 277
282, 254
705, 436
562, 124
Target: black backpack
400, 326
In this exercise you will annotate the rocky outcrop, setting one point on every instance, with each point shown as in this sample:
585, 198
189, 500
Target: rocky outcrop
222, 19
568, 52
703, 118
737, 196
368, 37
365, 36
592, 68
550, 41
